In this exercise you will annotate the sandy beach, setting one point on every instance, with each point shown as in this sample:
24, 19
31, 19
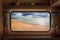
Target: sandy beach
21, 26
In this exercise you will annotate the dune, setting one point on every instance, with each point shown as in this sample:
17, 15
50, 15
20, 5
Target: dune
21, 26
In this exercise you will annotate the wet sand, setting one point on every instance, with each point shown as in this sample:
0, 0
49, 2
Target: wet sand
21, 26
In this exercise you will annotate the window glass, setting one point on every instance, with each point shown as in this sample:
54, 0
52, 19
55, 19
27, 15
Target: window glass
30, 21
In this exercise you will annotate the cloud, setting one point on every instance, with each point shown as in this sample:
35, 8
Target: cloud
30, 15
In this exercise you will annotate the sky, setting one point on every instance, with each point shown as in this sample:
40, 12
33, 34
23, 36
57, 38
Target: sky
30, 15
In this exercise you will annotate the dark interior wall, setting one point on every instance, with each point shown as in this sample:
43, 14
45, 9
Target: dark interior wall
58, 18
56, 11
1, 22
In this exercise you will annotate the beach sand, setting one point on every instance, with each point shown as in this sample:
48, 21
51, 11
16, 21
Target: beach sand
21, 26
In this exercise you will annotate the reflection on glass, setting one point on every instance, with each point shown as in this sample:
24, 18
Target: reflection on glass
30, 21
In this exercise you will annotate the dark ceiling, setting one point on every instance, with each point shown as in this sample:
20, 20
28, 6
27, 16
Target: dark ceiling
38, 3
